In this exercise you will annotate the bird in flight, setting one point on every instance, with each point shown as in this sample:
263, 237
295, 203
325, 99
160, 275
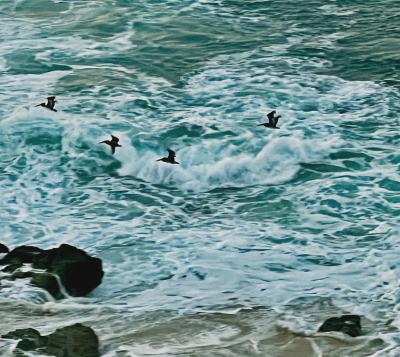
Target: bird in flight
170, 158
113, 143
51, 102
272, 120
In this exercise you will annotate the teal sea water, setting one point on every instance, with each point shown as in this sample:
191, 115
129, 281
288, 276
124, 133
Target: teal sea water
258, 235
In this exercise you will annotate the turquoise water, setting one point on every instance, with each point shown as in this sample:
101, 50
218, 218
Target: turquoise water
267, 228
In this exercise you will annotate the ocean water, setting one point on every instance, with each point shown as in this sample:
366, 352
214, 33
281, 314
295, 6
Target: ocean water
258, 235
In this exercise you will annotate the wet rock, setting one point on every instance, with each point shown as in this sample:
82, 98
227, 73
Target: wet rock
42, 280
72, 341
30, 339
20, 255
79, 273
12, 267
48, 282
348, 324
3, 249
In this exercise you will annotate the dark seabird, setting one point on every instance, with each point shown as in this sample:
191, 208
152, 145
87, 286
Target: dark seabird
51, 102
272, 120
170, 158
113, 143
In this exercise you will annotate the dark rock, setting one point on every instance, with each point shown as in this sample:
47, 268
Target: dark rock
3, 249
348, 324
12, 267
22, 333
30, 339
71, 341
48, 282
79, 273
43, 280
20, 255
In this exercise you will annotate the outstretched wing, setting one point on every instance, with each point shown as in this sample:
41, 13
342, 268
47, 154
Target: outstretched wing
276, 120
271, 115
114, 139
171, 154
51, 102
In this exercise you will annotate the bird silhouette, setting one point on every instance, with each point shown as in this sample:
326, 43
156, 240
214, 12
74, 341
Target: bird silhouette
113, 143
170, 158
272, 120
51, 102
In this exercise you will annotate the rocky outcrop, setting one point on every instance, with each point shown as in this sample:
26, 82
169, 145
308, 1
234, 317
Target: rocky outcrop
20, 255
348, 324
72, 341
3, 249
43, 280
30, 339
78, 272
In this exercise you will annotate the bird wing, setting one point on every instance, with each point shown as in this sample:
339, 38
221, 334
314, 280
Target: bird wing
271, 115
112, 150
51, 102
276, 120
114, 139
171, 153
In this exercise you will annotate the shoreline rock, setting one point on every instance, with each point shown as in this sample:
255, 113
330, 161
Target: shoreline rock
3, 249
78, 272
71, 341
348, 324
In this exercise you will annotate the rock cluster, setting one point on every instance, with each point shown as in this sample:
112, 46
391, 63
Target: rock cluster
78, 272
72, 341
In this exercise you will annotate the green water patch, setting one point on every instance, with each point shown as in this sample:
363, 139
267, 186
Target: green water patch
37, 9
350, 154
390, 185
323, 167
83, 81
24, 61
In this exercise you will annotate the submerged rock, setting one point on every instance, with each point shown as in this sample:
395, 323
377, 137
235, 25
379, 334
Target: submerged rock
72, 341
43, 280
30, 339
3, 249
348, 324
79, 273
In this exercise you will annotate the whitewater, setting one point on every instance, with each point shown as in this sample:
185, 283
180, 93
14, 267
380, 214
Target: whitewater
259, 235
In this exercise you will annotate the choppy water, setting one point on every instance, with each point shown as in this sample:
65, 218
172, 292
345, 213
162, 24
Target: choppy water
244, 248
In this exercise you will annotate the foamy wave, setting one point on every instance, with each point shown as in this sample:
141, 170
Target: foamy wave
206, 166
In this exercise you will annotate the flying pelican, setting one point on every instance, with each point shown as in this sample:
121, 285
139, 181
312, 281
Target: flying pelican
272, 120
170, 158
51, 102
113, 143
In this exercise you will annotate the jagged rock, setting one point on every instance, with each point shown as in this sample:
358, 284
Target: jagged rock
3, 249
79, 273
48, 282
30, 339
348, 324
12, 267
20, 255
72, 341
43, 280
